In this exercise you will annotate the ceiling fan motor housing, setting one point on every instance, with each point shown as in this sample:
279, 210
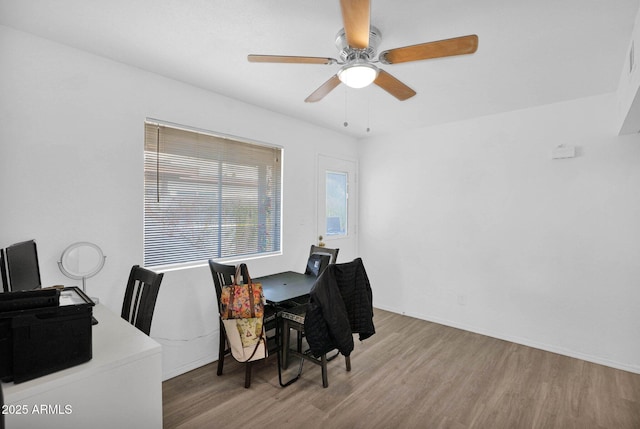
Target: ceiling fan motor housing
349, 54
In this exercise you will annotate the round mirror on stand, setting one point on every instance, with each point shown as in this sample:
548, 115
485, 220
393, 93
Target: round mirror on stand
81, 261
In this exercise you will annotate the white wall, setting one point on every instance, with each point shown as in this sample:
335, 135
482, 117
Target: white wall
469, 224
71, 154
473, 225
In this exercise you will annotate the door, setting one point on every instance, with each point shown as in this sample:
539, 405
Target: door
337, 206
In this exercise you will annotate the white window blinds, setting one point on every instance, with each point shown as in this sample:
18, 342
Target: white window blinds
208, 197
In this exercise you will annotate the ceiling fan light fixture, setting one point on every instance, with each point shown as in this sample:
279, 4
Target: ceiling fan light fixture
358, 74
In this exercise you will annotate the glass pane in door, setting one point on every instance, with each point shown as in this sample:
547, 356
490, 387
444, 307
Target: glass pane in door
336, 203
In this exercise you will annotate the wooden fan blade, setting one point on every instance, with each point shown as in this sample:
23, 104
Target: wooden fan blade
289, 59
424, 51
393, 86
356, 16
326, 88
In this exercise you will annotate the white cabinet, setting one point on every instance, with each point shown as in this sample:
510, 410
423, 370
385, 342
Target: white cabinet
120, 387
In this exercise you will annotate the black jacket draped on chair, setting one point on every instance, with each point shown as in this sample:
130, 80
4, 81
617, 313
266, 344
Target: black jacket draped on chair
340, 305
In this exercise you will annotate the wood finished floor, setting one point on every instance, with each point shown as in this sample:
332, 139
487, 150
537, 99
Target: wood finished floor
413, 374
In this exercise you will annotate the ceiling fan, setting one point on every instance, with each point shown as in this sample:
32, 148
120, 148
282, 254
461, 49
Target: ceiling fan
358, 42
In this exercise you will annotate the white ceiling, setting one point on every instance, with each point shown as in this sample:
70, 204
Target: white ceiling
530, 52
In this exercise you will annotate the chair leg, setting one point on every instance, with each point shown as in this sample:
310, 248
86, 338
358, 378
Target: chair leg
347, 361
325, 380
299, 343
220, 364
247, 375
280, 325
286, 335
221, 350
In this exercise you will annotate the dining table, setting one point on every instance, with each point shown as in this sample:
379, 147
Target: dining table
288, 286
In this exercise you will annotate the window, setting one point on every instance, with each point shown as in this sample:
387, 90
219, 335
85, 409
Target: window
336, 203
208, 196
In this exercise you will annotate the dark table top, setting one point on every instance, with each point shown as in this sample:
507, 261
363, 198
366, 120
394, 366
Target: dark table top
281, 287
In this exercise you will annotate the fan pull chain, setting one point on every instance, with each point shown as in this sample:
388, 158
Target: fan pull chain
346, 124
369, 112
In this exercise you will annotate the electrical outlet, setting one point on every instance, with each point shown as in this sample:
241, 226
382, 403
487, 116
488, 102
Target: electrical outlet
563, 151
462, 300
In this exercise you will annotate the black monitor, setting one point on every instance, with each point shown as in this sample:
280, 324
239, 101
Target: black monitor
23, 271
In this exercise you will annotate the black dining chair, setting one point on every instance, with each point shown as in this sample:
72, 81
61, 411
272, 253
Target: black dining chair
318, 250
140, 297
223, 275
355, 300
293, 318
318, 260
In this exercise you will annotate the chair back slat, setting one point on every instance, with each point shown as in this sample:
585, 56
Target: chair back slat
140, 297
